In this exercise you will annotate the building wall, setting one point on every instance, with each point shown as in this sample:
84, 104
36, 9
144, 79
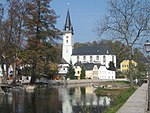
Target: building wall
106, 74
95, 72
67, 46
124, 65
89, 74
63, 69
103, 59
77, 71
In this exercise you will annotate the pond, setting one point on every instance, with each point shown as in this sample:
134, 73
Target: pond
58, 99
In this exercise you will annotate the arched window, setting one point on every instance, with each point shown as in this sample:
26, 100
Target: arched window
67, 39
78, 58
97, 57
104, 59
91, 58
84, 58
113, 58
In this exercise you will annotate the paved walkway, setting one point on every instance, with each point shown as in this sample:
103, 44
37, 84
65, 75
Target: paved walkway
137, 103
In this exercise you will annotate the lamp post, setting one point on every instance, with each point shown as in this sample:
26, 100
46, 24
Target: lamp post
147, 49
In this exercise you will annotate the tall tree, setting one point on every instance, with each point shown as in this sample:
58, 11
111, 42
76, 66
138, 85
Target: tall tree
128, 21
11, 32
14, 24
1, 40
112, 66
82, 75
71, 72
40, 31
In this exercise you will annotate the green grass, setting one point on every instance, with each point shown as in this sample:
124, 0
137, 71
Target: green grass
118, 95
119, 100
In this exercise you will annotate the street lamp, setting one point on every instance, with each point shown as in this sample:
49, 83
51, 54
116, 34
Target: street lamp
147, 46
147, 49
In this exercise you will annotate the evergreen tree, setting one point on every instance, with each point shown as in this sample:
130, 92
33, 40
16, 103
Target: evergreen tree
111, 66
71, 72
41, 33
82, 75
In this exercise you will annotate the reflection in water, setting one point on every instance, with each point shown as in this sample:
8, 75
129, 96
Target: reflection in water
75, 99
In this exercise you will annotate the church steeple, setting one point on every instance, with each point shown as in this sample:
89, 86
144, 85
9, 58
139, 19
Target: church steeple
68, 25
68, 42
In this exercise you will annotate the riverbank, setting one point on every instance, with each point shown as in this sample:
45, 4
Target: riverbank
137, 103
82, 81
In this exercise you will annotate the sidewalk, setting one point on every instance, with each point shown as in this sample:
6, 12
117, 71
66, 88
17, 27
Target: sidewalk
137, 103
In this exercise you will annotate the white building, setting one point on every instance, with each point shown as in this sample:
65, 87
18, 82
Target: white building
93, 54
94, 71
63, 68
67, 40
106, 74
10, 70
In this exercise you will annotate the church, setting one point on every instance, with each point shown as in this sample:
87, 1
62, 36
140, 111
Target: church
96, 55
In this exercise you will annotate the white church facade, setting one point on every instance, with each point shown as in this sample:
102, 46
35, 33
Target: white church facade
101, 54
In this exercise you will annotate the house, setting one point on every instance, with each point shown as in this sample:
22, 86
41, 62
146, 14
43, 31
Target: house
93, 54
106, 74
94, 71
63, 68
77, 69
124, 65
10, 70
91, 70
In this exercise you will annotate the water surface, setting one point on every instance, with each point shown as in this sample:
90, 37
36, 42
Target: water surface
60, 99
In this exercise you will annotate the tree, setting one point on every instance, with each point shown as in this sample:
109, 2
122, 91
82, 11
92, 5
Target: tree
10, 33
128, 21
82, 75
1, 40
14, 25
112, 66
71, 72
40, 32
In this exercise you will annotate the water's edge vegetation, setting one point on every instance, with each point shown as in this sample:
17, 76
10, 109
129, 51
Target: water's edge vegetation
118, 96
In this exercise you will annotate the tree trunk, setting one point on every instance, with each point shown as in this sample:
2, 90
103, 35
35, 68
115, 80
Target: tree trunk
33, 73
130, 68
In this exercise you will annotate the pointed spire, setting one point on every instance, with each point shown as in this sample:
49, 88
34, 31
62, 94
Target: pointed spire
68, 26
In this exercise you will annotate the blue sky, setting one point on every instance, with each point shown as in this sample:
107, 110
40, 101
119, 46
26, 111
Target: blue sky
84, 14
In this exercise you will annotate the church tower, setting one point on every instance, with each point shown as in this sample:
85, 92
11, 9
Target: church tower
67, 39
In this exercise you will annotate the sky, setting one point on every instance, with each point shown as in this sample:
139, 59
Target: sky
84, 14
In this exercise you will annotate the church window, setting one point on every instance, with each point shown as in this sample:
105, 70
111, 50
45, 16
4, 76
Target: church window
104, 59
78, 72
112, 58
91, 58
97, 57
66, 41
77, 58
84, 58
